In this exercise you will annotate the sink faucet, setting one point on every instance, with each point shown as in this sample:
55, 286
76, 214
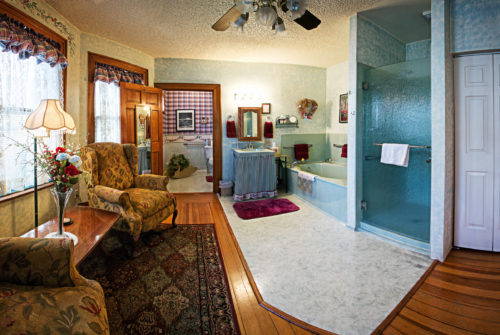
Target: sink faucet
250, 145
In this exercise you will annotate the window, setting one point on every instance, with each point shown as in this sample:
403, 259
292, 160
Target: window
104, 113
23, 83
107, 112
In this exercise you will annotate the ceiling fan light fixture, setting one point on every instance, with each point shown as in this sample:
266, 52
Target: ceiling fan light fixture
296, 8
279, 27
244, 6
240, 22
266, 15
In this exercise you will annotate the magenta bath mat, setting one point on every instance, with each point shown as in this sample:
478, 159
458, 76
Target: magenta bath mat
261, 208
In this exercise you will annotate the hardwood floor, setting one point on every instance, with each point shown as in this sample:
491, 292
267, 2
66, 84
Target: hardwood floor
253, 319
459, 296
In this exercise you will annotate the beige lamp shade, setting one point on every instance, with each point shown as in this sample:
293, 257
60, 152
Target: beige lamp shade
48, 116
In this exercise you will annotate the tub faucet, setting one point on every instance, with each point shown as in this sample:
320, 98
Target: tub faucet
297, 162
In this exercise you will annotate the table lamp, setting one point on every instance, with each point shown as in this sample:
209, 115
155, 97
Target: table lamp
48, 116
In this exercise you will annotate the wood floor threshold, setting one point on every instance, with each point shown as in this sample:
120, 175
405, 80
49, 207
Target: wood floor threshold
395, 312
276, 311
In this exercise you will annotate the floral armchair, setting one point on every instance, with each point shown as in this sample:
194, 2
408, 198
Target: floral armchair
41, 292
114, 184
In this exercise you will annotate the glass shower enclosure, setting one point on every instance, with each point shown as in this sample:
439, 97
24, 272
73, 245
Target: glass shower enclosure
397, 109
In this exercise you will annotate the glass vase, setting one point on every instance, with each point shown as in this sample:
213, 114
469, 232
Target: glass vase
61, 200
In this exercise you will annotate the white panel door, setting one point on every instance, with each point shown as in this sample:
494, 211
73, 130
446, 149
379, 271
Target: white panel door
475, 152
496, 116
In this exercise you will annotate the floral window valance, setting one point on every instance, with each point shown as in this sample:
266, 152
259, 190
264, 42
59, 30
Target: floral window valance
17, 38
112, 74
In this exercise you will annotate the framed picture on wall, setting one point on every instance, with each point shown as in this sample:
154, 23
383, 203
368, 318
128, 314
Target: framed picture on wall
343, 110
185, 119
266, 108
204, 120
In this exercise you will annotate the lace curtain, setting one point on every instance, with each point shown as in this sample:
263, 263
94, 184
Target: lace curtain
23, 83
107, 80
107, 112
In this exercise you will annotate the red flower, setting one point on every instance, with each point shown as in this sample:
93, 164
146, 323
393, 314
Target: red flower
71, 170
60, 149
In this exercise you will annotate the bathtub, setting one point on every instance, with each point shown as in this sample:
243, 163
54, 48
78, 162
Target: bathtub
329, 191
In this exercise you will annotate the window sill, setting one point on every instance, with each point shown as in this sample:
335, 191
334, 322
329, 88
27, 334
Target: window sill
19, 194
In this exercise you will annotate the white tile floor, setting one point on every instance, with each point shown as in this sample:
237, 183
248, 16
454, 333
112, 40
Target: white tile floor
192, 184
311, 266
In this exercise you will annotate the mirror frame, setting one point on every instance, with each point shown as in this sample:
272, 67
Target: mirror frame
241, 113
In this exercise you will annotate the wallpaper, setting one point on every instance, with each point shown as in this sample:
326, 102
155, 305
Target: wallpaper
199, 101
442, 171
471, 19
250, 85
16, 216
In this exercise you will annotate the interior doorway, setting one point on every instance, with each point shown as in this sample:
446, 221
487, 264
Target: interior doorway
190, 129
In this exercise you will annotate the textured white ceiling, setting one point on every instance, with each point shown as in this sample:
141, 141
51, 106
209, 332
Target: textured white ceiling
182, 29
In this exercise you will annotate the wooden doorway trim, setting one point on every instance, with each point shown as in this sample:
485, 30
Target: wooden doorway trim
217, 121
94, 58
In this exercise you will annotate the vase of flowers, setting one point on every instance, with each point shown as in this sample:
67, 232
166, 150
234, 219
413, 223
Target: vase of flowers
62, 167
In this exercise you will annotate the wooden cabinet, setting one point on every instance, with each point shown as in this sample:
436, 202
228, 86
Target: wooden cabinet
132, 95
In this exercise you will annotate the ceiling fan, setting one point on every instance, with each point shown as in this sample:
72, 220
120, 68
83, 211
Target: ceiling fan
267, 13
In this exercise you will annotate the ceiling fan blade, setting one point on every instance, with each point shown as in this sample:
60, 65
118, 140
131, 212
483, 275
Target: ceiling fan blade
225, 21
308, 20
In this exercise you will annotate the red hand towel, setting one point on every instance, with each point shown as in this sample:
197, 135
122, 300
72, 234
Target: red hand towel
230, 129
344, 151
301, 151
268, 130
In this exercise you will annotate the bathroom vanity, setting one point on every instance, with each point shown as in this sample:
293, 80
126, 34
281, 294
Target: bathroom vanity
254, 174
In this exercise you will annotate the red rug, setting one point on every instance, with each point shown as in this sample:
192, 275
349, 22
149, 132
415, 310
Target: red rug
209, 179
262, 208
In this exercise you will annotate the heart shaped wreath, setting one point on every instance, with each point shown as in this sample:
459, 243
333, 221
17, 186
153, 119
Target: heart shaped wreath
307, 107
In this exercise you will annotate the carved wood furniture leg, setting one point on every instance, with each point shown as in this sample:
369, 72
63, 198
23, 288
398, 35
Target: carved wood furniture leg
174, 216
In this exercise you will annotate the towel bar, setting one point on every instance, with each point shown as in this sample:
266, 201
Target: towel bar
338, 146
411, 146
310, 145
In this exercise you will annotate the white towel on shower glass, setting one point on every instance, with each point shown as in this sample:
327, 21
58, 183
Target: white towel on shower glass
396, 154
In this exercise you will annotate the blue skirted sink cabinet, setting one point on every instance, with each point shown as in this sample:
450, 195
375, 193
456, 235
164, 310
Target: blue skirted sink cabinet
254, 174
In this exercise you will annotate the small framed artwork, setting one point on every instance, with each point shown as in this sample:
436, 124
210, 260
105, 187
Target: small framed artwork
204, 120
185, 119
266, 108
343, 110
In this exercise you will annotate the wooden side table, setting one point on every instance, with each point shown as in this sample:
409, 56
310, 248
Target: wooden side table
90, 225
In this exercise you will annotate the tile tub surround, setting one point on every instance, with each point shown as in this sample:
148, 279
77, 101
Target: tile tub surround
315, 261
329, 195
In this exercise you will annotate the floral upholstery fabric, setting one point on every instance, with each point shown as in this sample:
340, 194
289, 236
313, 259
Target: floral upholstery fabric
143, 205
132, 157
152, 182
148, 202
41, 292
113, 169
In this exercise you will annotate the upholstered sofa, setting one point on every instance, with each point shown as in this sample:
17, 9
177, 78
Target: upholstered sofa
41, 292
114, 184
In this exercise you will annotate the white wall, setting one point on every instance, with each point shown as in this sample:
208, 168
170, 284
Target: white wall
337, 83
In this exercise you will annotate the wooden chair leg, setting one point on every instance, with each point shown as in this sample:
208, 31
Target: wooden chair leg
174, 216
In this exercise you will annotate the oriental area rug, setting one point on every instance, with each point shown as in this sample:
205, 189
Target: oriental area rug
175, 284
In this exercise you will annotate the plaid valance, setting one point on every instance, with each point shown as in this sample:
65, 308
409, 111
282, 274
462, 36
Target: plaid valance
112, 74
17, 38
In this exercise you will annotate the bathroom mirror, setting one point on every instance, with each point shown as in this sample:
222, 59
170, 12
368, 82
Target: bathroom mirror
250, 124
143, 137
